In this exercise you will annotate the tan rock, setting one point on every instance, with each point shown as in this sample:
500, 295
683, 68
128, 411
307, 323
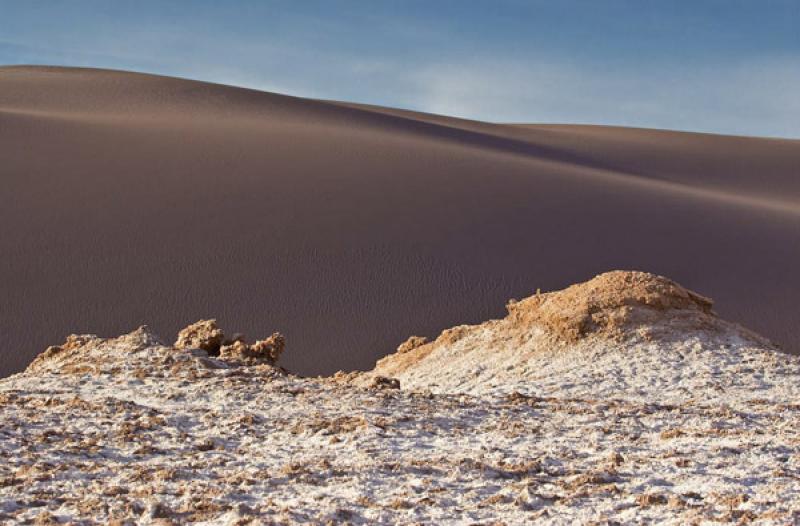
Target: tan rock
64, 353
203, 334
412, 343
617, 307
609, 304
263, 351
269, 349
651, 499
45, 518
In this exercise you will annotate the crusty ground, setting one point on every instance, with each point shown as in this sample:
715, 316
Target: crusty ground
648, 417
612, 306
129, 431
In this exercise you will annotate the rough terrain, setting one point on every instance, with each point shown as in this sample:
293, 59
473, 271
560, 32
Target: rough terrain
623, 399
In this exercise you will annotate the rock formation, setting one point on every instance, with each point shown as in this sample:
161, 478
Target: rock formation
624, 399
203, 334
206, 335
619, 310
614, 305
262, 351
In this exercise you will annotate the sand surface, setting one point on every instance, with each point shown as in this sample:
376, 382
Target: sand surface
130, 198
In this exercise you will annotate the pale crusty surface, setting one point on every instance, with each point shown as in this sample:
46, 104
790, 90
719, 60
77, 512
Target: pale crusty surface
693, 423
615, 310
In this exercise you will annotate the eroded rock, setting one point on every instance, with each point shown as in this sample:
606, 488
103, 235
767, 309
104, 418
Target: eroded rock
610, 305
208, 336
412, 343
57, 355
618, 309
262, 351
203, 334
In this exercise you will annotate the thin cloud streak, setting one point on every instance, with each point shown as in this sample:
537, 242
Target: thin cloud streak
753, 96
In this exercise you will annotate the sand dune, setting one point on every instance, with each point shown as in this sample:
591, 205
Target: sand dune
132, 198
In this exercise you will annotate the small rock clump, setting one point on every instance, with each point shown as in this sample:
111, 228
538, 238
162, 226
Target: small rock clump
412, 343
64, 353
203, 334
262, 351
206, 335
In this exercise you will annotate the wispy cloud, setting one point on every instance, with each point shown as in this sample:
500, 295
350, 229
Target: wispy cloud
754, 95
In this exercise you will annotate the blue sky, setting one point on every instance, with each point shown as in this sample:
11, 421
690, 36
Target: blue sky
724, 66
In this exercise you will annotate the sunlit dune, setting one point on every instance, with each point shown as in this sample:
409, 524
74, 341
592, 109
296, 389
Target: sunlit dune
133, 198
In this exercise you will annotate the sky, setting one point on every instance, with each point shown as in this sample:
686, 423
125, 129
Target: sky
723, 66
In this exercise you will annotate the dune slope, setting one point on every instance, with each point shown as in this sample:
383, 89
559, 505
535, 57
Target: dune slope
130, 197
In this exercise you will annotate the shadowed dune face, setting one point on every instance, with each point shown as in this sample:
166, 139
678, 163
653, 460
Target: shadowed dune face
131, 199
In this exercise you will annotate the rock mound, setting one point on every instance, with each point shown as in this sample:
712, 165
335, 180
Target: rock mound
262, 351
620, 400
206, 335
614, 311
61, 354
203, 334
202, 343
614, 305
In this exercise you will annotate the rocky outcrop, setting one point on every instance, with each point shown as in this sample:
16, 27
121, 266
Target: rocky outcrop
208, 336
620, 400
262, 351
614, 305
618, 309
203, 334
63, 353
81, 353
203, 343
412, 343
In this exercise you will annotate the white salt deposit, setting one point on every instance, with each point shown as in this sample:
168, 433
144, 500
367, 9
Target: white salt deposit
502, 423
